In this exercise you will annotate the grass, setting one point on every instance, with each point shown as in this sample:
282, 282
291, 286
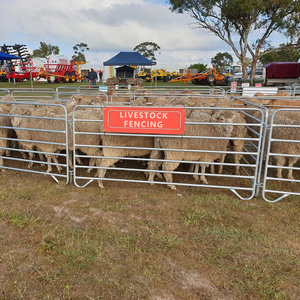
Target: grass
43, 85
134, 241
143, 242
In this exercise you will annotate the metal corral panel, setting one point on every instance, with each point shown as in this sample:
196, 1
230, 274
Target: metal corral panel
36, 136
191, 159
281, 177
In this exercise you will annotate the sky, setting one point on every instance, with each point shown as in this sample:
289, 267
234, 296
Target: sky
108, 27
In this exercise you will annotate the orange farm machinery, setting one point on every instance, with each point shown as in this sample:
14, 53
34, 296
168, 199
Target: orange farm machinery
211, 76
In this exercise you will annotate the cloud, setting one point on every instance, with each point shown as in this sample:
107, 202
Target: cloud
108, 26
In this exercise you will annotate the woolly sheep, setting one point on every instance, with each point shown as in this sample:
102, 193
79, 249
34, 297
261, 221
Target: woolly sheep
30, 139
286, 147
5, 132
113, 155
54, 142
208, 130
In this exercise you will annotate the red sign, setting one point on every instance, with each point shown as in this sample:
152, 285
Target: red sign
144, 120
233, 86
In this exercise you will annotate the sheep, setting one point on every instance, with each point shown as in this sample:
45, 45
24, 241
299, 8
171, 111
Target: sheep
30, 139
5, 133
113, 155
159, 101
208, 130
285, 147
54, 142
86, 142
128, 147
139, 101
239, 131
84, 100
202, 116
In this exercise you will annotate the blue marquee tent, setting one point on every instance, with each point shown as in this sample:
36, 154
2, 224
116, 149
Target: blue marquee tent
5, 56
129, 59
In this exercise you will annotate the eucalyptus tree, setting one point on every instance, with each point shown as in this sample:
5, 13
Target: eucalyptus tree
45, 50
79, 52
147, 49
246, 26
221, 60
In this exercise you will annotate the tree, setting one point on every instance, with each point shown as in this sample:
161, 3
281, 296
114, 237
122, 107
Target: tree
228, 19
78, 52
221, 60
248, 62
45, 50
285, 52
199, 67
147, 49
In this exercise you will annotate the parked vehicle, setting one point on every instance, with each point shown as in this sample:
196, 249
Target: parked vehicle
232, 70
275, 74
280, 73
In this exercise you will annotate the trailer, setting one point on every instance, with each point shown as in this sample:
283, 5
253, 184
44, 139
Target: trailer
280, 73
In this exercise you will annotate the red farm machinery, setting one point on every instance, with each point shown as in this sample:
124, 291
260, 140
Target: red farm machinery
59, 69
56, 69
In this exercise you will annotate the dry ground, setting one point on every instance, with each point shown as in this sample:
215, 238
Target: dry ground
135, 241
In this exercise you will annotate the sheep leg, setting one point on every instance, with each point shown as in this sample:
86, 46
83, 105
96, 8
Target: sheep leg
202, 177
49, 169
212, 169
1, 160
192, 167
292, 161
222, 159
7, 151
30, 157
196, 170
92, 163
93, 160
170, 166
59, 168
104, 163
49, 160
41, 156
78, 160
280, 161
154, 165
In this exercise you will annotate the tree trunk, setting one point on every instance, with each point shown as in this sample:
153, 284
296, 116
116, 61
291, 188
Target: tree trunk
244, 69
253, 70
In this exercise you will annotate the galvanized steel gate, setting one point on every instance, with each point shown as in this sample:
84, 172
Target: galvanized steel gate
124, 157
282, 155
37, 136
82, 133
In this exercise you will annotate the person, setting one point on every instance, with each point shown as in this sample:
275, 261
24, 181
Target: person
92, 77
100, 75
